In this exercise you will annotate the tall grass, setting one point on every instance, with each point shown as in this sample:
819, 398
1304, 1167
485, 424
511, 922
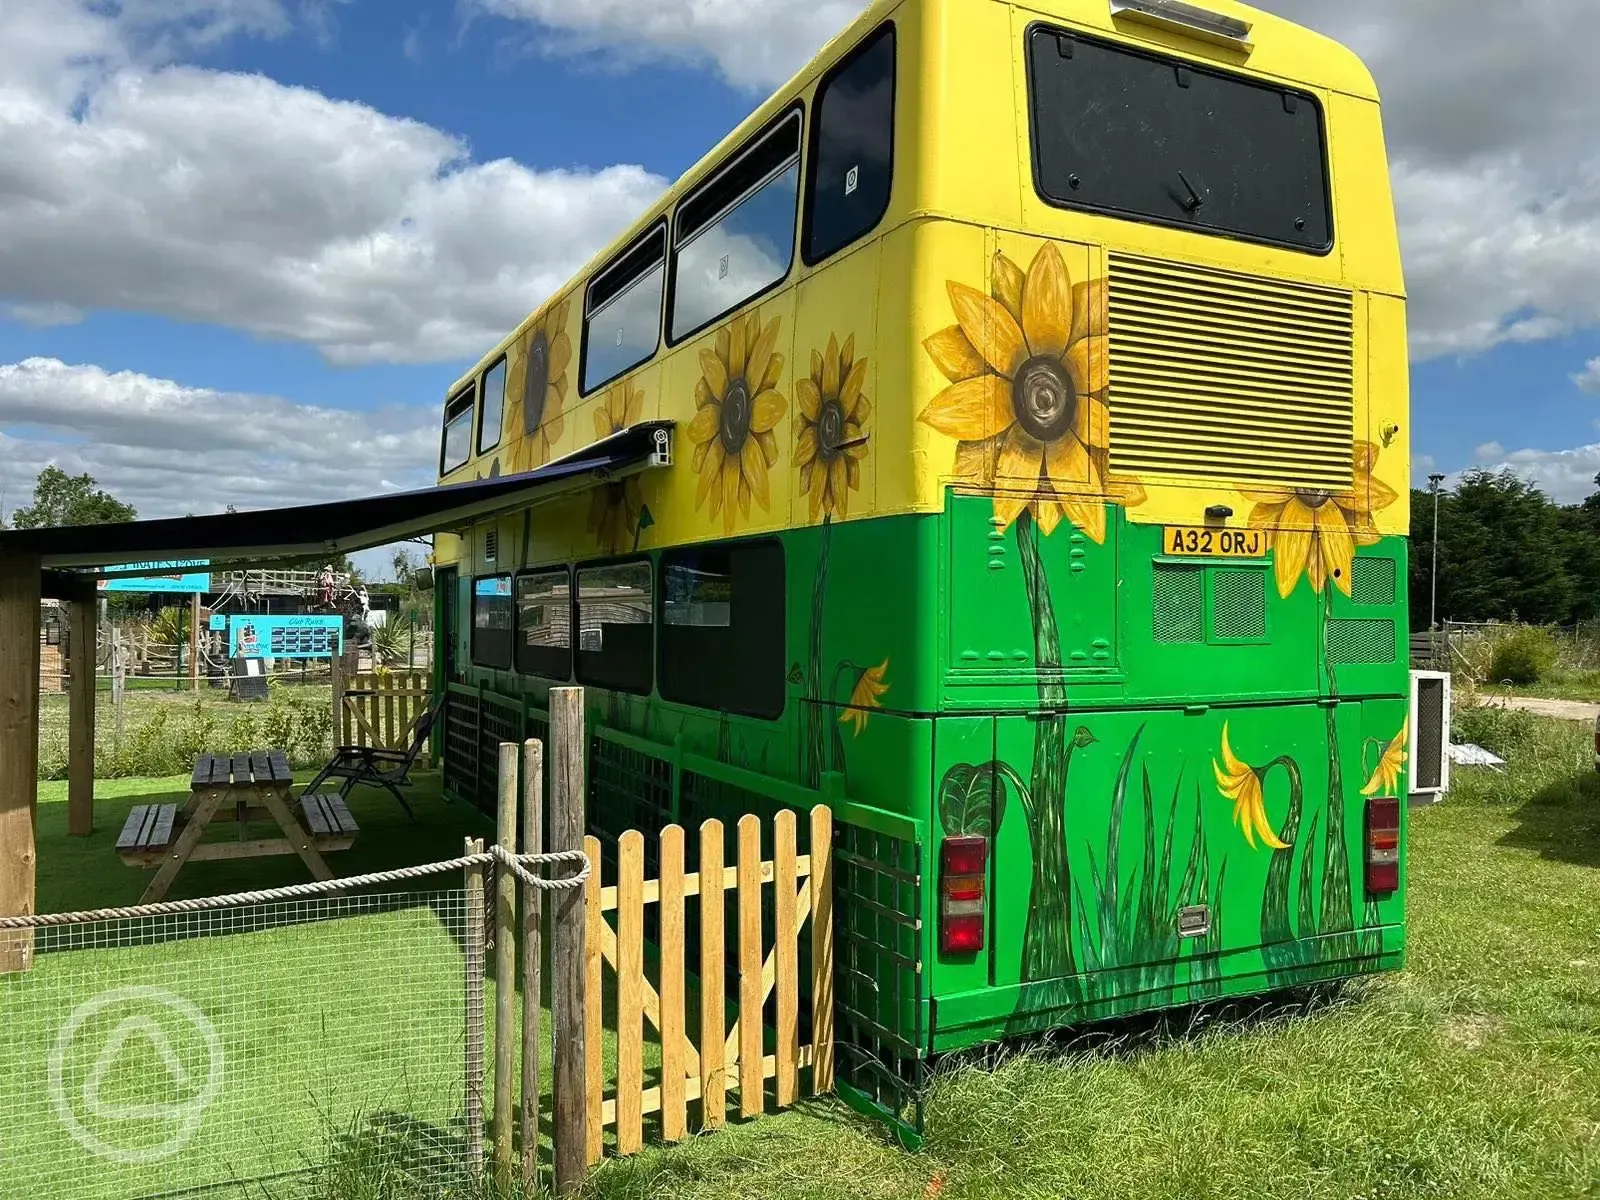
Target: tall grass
163, 735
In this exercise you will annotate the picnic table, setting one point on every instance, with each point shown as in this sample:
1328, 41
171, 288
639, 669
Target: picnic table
241, 790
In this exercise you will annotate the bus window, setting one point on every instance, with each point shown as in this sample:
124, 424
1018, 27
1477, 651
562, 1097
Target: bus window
852, 149
491, 622
622, 316
1120, 131
544, 624
494, 407
735, 233
457, 444
722, 628
616, 617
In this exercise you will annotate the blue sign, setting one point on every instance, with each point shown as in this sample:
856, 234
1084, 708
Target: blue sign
219, 623
176, 577
495, 585
285, 637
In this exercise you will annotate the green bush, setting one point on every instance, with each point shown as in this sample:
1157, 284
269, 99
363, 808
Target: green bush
1502, 731
1523, 656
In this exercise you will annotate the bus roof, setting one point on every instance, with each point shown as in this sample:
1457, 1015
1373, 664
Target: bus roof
1303, 57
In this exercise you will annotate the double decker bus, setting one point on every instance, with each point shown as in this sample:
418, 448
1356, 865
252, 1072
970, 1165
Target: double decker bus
1037, 378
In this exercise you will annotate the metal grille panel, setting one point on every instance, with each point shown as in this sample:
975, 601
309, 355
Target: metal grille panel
1372, 581
1430, 734
1216, 374
1179, 603
1239, 605
1351, 642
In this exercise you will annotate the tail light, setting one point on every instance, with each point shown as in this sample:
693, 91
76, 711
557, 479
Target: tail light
963, 869
1383, 845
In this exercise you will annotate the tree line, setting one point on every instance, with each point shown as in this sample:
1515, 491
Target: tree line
1507, 552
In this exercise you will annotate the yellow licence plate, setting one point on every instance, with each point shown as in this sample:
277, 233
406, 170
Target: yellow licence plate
1214, 543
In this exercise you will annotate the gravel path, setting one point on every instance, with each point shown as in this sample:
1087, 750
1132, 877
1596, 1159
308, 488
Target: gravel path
1566, 710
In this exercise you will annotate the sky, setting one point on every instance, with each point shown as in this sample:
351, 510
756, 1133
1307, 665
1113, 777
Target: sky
245, 245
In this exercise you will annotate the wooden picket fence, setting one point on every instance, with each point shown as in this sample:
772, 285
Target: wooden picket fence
377, 710
715, 1060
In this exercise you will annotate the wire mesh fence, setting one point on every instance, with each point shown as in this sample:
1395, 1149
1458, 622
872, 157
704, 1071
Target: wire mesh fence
261, 1050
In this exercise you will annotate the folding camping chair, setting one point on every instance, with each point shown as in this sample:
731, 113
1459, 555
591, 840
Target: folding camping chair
391, 769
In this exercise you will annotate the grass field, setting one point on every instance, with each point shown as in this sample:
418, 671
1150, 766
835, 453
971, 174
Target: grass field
1475, 1073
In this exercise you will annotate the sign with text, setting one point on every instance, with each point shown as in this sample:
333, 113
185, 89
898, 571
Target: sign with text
177, 576
285, 636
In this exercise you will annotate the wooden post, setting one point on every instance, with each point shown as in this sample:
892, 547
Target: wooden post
821, 950
532, 917
119, 679
19, 750
505, 964
80, 733
336, 667
568, 790
474, 981
194, 642
752, 1087
713, 1029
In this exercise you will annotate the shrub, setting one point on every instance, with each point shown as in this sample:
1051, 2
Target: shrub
1502, 731
1523, 656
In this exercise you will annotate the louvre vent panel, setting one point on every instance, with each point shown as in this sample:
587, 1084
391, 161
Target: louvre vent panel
1221, 375
1431, 732
1179, 604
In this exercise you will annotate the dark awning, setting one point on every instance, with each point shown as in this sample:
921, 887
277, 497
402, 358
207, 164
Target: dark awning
313, 531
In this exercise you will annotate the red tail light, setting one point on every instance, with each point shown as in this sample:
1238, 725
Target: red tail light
1383, 845
963, 871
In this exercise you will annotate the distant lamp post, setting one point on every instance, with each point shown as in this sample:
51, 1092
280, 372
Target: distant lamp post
52, 627
1433, 604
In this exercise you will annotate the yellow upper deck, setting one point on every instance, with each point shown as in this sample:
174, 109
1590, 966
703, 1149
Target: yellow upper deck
1288, 351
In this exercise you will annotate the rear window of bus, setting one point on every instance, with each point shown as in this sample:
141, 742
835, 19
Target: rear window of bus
1132, 134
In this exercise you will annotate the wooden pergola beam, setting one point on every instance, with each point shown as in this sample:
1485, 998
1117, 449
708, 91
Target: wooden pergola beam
19, 748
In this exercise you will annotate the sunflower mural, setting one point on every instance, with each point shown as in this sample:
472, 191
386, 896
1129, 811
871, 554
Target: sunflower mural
1315, 532
737, 408
865, 695
535, 416
1385, 780
830, 439
1029, 372
615, 509
1242, 783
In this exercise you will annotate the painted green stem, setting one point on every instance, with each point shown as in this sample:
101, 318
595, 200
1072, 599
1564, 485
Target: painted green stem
1047, 939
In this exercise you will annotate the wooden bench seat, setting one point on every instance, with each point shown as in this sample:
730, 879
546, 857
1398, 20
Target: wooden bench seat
328, 820
147, 834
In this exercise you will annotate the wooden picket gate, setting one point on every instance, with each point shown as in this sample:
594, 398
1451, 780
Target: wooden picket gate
377, 710
720, 1059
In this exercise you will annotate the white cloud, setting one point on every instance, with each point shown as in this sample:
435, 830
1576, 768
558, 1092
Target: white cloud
1490, 450
1490, 110
1566, 476
1588, 379
754, 44
232, 199
168, 449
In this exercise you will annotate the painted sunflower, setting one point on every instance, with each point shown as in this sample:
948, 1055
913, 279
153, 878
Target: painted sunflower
1385, 780
535, 419
1241, 783
737, 408
1315, 532
865, 696
1029, 370
615, 508
830, 443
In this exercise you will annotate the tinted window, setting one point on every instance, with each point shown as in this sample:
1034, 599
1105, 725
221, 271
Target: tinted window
544, 624
722, 628
457, 445
616, 615
735, 233
1124, 132
852, 148
491, 621
494, 407
622, 325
